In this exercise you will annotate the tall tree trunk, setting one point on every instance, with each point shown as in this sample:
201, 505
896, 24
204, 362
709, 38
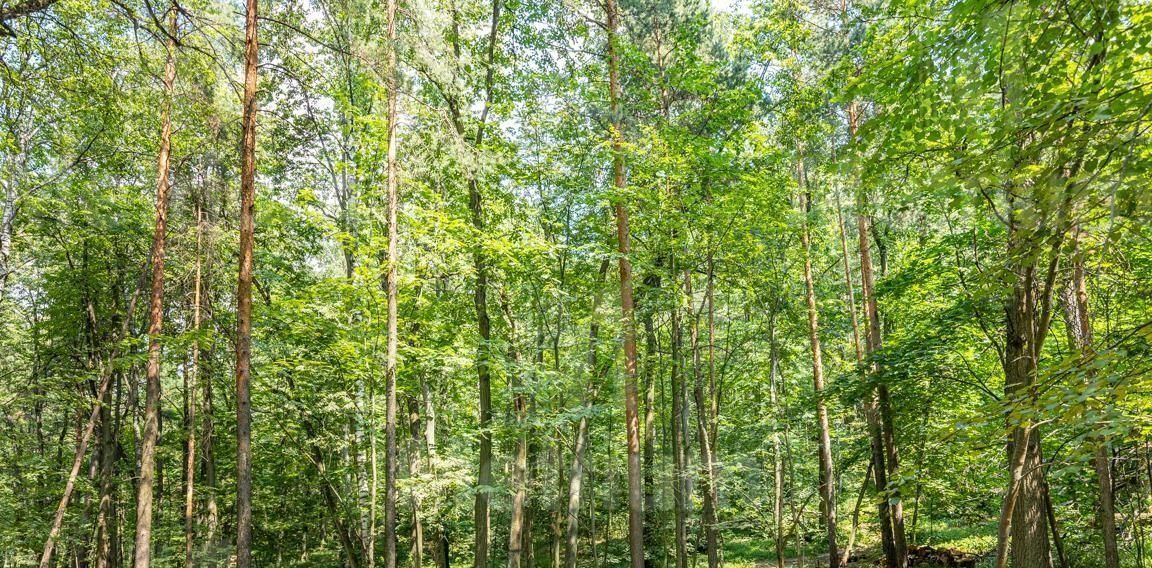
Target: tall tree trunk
884, 453
440, 547
627, 307
703, 436
651, 528
208, 465
827, 474
680, 491
143, 550
391, 466
415, 460
596, 372
481, 511
107, 523
191, 376
1078, 322
520, 457
8, 213
244, 295
777, 450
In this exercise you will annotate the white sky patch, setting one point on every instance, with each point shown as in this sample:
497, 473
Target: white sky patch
729, 6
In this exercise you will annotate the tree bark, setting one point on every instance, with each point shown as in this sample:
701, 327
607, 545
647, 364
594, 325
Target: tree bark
107, 372
481, 511
144, 486
244, 294
107, 521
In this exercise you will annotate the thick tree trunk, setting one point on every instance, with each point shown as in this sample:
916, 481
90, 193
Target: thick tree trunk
1029, 523
391, 450
144, 485
627, 307
244, 295
827, 474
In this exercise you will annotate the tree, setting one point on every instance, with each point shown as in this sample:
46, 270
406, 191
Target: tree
244, 294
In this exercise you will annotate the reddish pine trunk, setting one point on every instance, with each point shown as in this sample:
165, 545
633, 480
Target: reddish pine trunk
827, 475
143, 550
627, 306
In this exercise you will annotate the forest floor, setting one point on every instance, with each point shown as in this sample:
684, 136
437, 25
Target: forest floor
937, 541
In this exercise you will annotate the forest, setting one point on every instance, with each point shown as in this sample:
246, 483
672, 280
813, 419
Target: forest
576, 283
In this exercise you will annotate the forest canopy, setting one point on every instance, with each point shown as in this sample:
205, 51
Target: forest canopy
576, 283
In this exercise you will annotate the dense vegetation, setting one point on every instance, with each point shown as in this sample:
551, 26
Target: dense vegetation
579, 283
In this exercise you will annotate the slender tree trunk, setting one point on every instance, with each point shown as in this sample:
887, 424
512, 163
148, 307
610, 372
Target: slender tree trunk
414, 469
482, 517
703, 437
208, 463
627, 307
391, 465
680, 490
777, 451
520, 457
106, 371
1078, 322
244, 295
651, 528
8, 213
827, 474
440, 547
596, 372
107, 523
144, 486
883, 439
191, 376
847, 555
70, 485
